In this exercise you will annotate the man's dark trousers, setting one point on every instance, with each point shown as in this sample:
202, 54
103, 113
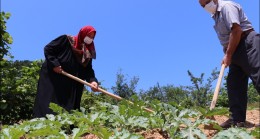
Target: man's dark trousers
245, 64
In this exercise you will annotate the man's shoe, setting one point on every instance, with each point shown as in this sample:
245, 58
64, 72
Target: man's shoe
239, 124
230, 123
227, 124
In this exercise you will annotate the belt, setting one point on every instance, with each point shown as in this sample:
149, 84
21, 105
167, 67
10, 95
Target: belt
245, 33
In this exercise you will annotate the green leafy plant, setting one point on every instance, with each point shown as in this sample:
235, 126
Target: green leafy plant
235, 133
256, 132
18, 88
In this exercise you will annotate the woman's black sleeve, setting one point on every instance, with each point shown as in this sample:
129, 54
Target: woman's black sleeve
90, 73
52, 50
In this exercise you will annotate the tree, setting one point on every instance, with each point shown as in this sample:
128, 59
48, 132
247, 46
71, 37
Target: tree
122, 88
18, 81
177, 95
5, 41
200, 92
18, 89
6, 38
154, 93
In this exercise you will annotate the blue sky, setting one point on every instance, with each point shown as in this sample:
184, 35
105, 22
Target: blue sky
155, 40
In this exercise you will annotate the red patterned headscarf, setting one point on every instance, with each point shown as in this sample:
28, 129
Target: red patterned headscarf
79, 40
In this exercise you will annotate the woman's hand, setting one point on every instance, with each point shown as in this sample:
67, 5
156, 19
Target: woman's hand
57, 69
94, 87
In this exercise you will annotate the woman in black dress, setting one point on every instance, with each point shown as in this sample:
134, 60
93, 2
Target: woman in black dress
74, 55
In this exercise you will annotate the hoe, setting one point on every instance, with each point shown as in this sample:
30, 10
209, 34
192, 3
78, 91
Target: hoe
99, 89
215, 96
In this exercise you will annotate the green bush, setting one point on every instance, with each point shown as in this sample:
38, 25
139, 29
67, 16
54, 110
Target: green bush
18, 88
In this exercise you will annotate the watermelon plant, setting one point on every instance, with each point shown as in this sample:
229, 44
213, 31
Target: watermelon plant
124, 120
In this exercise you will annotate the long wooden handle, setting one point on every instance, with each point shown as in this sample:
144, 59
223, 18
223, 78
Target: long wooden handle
99, 89
215, 96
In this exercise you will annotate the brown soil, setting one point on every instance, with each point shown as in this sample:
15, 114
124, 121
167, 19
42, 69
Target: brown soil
253, 120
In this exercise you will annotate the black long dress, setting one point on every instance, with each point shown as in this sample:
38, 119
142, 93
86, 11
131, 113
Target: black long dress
57, 88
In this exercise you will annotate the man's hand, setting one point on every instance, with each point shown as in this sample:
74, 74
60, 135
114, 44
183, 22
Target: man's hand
226, 60
57, 69
94, 87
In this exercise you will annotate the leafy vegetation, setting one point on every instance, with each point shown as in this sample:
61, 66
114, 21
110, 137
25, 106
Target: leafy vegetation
121, 121
6, 38
123, 89
18, 88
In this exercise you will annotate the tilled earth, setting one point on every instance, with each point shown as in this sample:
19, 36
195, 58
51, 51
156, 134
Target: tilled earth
252, 121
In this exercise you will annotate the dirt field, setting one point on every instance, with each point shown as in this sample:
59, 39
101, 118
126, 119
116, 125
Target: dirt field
252, 120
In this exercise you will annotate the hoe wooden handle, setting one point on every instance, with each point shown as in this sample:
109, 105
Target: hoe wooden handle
215, 96
99, 89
